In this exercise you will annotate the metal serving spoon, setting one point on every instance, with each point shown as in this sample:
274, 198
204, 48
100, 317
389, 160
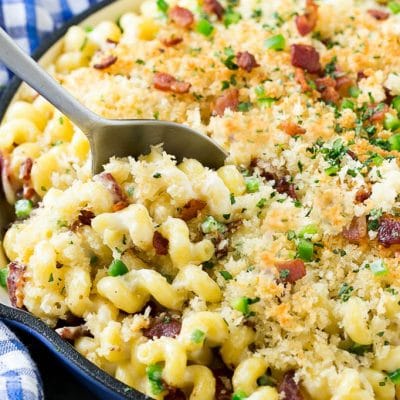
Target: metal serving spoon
111, 137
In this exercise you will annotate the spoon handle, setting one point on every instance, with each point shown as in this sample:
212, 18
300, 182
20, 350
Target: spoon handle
35, 76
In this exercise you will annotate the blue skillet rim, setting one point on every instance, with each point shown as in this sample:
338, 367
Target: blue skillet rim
26, 321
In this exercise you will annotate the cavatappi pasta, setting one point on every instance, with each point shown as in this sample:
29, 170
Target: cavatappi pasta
274, 277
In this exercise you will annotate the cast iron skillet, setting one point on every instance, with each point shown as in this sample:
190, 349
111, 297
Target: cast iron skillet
96, 380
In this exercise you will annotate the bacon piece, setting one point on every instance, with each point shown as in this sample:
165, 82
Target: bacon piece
289, 388
352, 154
362, 195
25, 170
15, 283
72, 332
291, 128
361, 75
378, 14
357, 230
8, 189
343, 84
84, 218
163, 325
171, 41
223, 384
105, 61
25, 176
389, 230
295, 268
160, 244
167, 83
214, 7
191, 209
378, 114
113, 187
306, 23
181, 16
246, 61
300, 78
283, 186
229, 100
305, 57
323, 83
330, 95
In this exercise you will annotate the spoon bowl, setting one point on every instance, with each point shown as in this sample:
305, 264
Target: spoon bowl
124, 138
119, 138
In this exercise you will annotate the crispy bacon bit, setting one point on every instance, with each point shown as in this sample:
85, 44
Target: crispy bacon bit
362, 195
181, 16
112, 42
361, 75
168, 83
191, 209
283, 186
105, 61
25, 175
323, 83
305, 57
379, 113
85, 217
352, 154
223, 384
171, 41
357, 230
300, 78
214, 7
28, 192
343, 84
330, 95
389, 230
289, 388
72, 332
111, 184
294, 269
160, 244
15, 283
229, 100
246, 61
306, 23
25, 170
378, 14
163, 325
5, 178
291, 128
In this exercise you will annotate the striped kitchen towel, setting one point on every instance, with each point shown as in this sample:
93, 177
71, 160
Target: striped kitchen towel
19, 377
30, 21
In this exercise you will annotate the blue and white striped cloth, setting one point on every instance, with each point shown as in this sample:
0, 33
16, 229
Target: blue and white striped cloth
19, 377
28, 22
